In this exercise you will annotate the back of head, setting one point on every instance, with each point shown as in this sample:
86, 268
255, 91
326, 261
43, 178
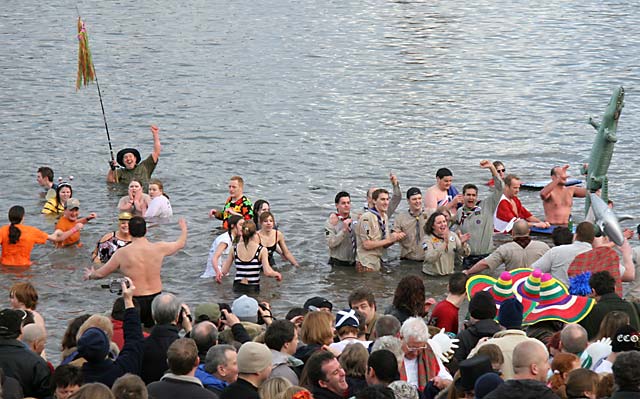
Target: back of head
585, 232
416, 328
528, 353
67, 375
580, 381
93, 345
520, 228
457, 283
562, 363
561, 236
205, 335
409, 295
611, 322
295, 391
11, 323
626, 372
273, 387
182, 356
248, 231
94, 390
129, 386
137, 227
353, 360
487, 383
253, 358
443, 172
375, 392
25, 293
510, 316
69, 339
278, 333
246, 308
482, 306
573, 339
387, 325
216, 356
317, 328
626, 338
165, 308
385, 364
390, 343
494, 353
602, 283
32, 333
99, 321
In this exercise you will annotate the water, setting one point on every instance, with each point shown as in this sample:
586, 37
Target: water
303, 99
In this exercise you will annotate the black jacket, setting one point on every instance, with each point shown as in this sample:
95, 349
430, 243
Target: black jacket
154, 363
240, 389
11, 388
470, 336
174, 388
29, 369
608, 303
522, 389
128, 361
322, 393
401, 314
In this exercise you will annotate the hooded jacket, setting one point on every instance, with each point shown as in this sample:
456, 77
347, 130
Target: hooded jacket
94, 346
469, 337
522, 389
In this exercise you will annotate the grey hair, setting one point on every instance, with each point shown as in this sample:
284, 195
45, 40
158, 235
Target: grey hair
165, 308
574, 338
216, 356
415, 328
205, 334
390, 343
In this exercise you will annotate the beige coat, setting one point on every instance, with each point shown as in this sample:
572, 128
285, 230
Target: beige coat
440, 255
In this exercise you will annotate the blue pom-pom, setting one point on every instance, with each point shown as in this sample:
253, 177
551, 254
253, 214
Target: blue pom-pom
579, 284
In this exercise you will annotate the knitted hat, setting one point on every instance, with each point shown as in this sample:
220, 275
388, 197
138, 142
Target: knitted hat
253, 358
347, 317
11, 322
482, 306
510, 315
246, 308
625, 339
207, 311
486, 384
93, 345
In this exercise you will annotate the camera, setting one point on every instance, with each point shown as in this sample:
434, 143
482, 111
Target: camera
115, 286
182, 314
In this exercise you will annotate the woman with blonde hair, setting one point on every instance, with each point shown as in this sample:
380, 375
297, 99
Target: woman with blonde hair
316, 333
159, 207
271, 388
249, 257
296, 392
94, 390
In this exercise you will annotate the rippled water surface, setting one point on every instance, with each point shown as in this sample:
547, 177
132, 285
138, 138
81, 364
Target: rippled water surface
303, 99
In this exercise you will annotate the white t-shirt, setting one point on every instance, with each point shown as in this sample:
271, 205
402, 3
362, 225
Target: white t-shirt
339, 346
160, 207
209, 271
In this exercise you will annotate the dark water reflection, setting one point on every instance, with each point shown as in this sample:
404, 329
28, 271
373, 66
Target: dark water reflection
302, 99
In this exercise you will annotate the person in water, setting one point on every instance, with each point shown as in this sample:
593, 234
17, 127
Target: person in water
131, 167
160, 207
55, 204
111, 242
247, 278
442, 246
136, 202
236, 204
557, 198
258, 207
69, 222
220, 247
443, 193
44, 177
273, 240
17, 240
340, 233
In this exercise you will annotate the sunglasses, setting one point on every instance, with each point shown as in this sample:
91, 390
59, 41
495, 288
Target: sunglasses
501, 170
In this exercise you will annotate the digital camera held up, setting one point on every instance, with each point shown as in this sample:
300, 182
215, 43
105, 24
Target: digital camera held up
115, 286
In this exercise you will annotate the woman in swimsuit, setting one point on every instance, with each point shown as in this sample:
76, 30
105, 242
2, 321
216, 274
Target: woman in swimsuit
160, 207
55, 205
250, 257
220, 247
111, 242
258, 208
271, 239
136, 202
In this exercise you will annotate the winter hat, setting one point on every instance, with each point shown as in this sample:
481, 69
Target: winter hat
482, 306
347, 318
510, 315
207, 311
253, 358
11, 322
486, 384
246, 308
93, 345
625, 339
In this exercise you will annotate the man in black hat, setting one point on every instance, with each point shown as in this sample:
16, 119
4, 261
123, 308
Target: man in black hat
131, 167
18, 361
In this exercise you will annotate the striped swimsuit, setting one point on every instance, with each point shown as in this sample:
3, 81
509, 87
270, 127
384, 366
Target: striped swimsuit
249, 270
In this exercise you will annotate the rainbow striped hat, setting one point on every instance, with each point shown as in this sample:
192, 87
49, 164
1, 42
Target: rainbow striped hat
500, 289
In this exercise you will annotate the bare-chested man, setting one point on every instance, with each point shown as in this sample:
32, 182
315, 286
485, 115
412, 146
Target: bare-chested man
557, 198
141, 261
443, 193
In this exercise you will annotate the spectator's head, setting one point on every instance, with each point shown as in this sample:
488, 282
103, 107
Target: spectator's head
205, 335
11, 323
254, 362
482, 306
207, 312
44, 176
323, 370
611, 322
67, 379
182, 356
117, 310
246, 308
281, 336
390, 343
69, 339
520, 228
409, 295
626, 372
137, 227
94, 390
581, 383
129, 386
626, 338
34, 336
510, 316
585, 232
318, 303
165, 309
317, 328
23, 295
98, 321
386, 325
602, 283
364, 302
295, 391
382, 367
354, 359
494, 353
273, 387
93, 345
222, 362
457, 283
573, 339
470, 370
561, 365
530, 361
486, 384
561, 236
415, 334
347, 323
404, 390
375, 392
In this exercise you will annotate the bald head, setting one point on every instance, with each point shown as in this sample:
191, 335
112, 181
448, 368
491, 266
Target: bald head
520, 228
530, 360
35, 336
574, 339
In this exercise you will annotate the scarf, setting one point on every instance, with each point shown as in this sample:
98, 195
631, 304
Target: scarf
522, 241
381, 222
466, 212
428, 367
417, 217
351, 235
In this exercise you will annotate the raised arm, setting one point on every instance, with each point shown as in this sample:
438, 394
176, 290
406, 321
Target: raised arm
156, 143
59, 235
170, 248
396, 196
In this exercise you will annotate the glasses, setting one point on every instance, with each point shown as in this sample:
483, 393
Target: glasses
501, 170
416, 348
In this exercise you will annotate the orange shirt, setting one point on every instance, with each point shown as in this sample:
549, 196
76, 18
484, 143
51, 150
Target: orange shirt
19, 254
65, 224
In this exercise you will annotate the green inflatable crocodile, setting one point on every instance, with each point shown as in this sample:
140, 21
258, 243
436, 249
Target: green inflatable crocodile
602, 149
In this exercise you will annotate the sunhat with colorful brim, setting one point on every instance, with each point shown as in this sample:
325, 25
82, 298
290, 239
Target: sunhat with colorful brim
500, 289
555, 303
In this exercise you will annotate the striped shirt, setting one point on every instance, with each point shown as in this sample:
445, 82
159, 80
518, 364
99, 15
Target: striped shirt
248, 272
